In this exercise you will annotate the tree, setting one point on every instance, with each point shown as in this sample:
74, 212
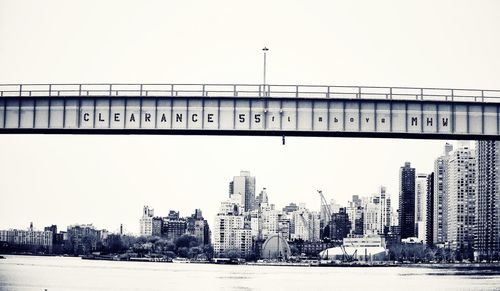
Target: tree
186, 241
115, 244
209, 251
232, 254
183, 252
194, 252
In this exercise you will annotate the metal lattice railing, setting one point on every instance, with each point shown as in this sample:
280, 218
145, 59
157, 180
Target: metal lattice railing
249, 91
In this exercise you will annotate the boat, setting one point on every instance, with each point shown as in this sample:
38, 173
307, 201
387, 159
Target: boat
180, 260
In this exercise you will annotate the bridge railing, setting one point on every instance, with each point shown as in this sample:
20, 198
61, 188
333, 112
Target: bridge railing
249, 90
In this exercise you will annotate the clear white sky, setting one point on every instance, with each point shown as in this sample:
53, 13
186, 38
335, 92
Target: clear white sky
107, 179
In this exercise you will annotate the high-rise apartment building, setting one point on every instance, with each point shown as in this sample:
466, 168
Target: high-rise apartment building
461, 198
385, 210
487, 241
421, 207
243, 186
230, 233
407, 201
429, 237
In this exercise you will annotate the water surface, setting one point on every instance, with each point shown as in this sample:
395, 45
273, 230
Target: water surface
64, 273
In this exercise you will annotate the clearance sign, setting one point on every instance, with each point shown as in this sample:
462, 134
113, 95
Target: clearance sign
246, 115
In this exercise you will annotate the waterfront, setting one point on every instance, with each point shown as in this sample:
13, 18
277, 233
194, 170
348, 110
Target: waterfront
68, 273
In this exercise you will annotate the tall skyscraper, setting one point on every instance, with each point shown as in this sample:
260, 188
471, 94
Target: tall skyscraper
243, 187
385, 210
407, 200
429, 237
421, 207
487, 242
439, 231
461, 199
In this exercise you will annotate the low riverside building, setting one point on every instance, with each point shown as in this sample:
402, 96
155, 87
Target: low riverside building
29, 240
362, 248
275, 247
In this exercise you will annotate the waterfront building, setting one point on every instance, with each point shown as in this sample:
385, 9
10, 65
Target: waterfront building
146, 221
275, 248
407, 200
461, 198
362, 248
439, 223
174, 226
84, 238
230, 233
156, 226
198, 227
429, 227
30, 239
487, 241
243, 186
421, 207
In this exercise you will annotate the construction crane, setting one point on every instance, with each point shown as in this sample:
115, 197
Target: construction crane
326, 206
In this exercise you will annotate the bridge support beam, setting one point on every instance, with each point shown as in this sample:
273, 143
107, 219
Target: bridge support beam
239, 115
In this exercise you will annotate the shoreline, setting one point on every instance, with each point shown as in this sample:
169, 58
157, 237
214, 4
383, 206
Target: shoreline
291, 264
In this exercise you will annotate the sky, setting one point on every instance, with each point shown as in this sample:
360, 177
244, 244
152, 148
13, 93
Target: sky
105, 180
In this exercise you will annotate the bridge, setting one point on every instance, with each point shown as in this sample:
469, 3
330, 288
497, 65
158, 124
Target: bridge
245, 109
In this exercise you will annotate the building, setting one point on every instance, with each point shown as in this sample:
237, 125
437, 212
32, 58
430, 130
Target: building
306, 224
407, 200
340, 225
461, 199
290, 208
362, 248
146, 221
429, 235
84, 238
174, 226
333, 207
198, 227
487, 241
275, 248
156, 226
244, 187
385, 210
261, 198
28, 240
371, 215
230, 234
355, 212
421, 207
439, 209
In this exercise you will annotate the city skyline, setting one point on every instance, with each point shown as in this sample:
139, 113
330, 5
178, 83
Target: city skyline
279, 198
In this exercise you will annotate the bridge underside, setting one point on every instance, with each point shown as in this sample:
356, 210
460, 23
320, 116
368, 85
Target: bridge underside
250, 116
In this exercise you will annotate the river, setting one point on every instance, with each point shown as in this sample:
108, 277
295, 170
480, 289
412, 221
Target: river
65, 273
